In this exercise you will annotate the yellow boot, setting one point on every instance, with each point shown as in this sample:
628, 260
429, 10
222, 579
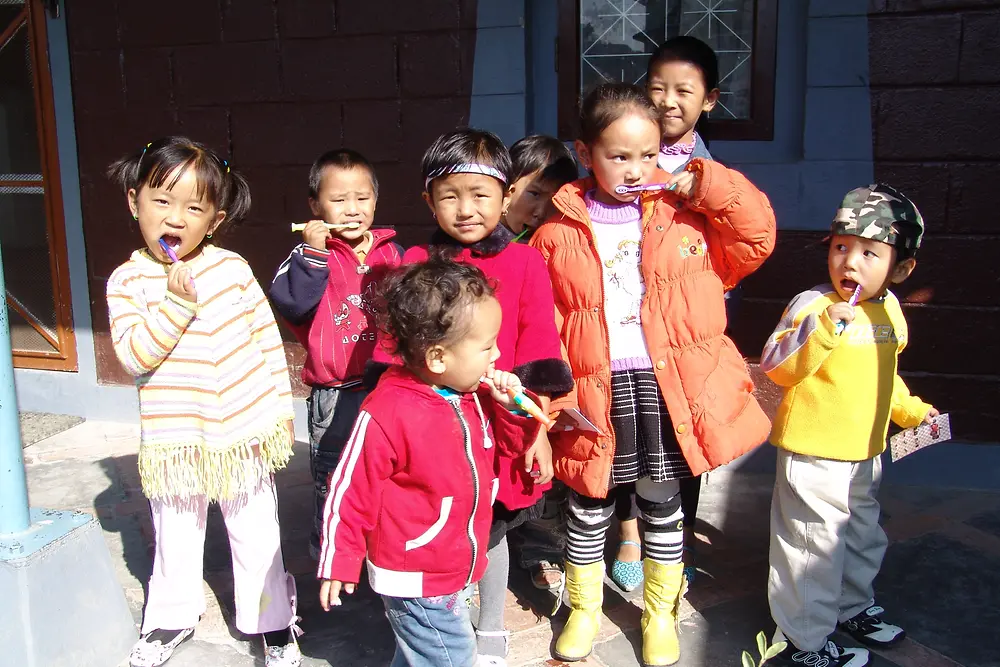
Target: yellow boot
662, 597
585, 584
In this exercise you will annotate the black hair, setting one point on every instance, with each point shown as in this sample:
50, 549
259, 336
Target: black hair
171, 157
607, 103
540, 152
466, 145
426, 304
690, 50
343, 158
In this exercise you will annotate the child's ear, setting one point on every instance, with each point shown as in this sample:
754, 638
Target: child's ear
583, 153
430, 203
903, 269
133, 201
219, 217
710, 100
434, 360
314, 207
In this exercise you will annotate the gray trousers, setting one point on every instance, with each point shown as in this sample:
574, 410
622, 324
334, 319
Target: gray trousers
826, 545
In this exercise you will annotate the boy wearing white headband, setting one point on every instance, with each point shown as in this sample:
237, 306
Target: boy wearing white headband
467, 176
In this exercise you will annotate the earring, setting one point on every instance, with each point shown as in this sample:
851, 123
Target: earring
135, 217
210, 235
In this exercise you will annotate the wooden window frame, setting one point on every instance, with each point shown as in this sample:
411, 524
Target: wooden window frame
760, 125
64, 358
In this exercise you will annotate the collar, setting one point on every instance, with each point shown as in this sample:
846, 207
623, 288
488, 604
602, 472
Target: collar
493, 244
680, 149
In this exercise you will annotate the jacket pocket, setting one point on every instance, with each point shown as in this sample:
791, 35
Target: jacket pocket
434, 530
728, 388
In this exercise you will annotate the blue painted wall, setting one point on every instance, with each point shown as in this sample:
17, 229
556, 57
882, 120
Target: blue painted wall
822, 144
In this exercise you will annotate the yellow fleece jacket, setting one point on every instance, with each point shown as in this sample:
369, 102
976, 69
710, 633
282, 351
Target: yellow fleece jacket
840, 391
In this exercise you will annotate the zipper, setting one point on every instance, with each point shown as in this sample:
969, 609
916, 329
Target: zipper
470, 457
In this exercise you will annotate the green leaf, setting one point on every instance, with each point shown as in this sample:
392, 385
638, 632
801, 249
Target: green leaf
761, 643
774, 650
747, 660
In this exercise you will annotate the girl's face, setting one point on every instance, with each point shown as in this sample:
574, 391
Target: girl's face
530, 201
677, 88
468, 207
180, 215
624, 154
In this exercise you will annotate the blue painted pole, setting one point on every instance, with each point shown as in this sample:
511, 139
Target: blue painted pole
14, 516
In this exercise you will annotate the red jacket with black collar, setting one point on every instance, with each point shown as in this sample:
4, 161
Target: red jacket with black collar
528, 341
414, 487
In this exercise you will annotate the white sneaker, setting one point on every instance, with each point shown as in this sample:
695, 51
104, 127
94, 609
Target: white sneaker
155, 647
288, 655
869, 628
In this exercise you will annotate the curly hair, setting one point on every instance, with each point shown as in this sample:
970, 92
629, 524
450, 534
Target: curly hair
426, 304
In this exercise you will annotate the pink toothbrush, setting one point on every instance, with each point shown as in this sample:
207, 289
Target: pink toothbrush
841, 325
170, 251
653, 187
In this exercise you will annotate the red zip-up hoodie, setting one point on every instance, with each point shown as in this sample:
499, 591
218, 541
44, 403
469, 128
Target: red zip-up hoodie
414, 488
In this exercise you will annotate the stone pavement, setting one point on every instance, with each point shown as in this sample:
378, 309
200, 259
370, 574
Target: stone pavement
940, 577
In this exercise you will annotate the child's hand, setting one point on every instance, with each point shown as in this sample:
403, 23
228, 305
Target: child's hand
841, 312
540, 453
329, 593
931, 414
180, 282
315, 234
499, 382
685, 183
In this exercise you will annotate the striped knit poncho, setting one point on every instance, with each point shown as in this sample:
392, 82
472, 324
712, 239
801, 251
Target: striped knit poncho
214, 393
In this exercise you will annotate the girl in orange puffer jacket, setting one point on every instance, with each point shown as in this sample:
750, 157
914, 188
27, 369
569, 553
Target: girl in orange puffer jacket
639, 277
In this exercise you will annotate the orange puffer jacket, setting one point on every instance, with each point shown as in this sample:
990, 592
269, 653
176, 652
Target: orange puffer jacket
702, 376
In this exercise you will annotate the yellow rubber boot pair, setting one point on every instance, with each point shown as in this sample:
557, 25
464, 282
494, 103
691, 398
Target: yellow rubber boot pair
663, 588
585, 586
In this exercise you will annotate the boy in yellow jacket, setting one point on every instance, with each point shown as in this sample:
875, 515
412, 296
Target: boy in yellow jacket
835, 353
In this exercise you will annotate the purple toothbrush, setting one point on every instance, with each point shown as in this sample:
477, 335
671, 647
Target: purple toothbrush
170, 251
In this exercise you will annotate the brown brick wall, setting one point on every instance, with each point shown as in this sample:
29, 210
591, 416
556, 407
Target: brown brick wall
270, 84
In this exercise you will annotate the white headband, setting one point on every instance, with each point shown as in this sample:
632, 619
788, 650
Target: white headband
465, 168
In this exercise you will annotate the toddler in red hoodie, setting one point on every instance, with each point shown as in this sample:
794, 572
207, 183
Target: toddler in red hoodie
412, 491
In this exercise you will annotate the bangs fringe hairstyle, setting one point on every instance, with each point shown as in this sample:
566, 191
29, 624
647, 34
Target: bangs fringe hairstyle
607, 103
466, 145
691, 50
429, 303
162, 163
540, 152
343, 158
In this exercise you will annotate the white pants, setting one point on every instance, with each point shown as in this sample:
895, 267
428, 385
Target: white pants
264, 592
826, 545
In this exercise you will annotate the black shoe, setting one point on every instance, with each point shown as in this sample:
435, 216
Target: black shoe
869, 628
830, 655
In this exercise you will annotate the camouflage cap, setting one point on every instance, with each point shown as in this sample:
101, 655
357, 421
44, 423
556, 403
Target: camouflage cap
883, 213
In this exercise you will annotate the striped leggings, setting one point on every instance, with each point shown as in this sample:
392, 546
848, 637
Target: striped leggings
659, 506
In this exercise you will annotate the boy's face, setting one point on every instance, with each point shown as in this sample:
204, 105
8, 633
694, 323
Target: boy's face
678, 90
853, 261
345, 196
468, 207
460, 365
530, 201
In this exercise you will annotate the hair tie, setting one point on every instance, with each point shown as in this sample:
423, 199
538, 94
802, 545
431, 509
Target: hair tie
142, 155
226, 165
465, 168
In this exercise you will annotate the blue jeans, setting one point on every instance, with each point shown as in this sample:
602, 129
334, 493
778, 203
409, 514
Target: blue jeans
432, 632
332, 413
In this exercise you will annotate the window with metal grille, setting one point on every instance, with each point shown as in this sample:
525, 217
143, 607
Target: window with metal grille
611, 40
32, 235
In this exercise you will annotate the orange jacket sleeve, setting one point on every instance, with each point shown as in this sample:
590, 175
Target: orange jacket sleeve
740, 214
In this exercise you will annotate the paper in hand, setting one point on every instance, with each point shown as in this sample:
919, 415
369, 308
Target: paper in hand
571, 419
906, 442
